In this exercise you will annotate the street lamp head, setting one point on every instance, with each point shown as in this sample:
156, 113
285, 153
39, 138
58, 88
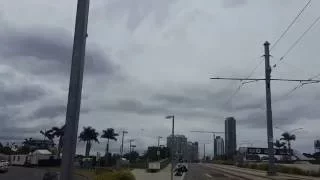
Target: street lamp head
169, 117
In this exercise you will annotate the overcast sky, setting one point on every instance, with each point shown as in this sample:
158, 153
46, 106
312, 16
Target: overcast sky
146, 59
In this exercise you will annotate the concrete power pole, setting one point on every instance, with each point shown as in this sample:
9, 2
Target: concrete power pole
75, 88
271, 170
121, 147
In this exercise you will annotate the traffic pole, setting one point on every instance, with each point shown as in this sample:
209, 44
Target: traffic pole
75, 88
271, 170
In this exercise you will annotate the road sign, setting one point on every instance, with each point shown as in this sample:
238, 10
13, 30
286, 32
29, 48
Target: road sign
252, 150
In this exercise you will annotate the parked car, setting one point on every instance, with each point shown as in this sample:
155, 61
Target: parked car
4, 165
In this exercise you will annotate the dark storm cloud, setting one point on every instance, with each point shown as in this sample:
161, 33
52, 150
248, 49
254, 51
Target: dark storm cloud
48, 51
14, 95
53, 110
135, 106
233, 3
286, 113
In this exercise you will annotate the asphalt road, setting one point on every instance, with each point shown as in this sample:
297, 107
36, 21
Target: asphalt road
22, 173
25, 173
199, 172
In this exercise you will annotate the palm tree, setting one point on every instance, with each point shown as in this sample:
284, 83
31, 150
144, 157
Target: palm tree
109, 134
59, 133
47, 134
278, 144
88, 135
286, 136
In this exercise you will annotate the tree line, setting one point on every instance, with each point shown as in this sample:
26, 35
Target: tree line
88, 135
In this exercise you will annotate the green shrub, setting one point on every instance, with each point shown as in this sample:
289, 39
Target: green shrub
116, 175
253, 166
263, 167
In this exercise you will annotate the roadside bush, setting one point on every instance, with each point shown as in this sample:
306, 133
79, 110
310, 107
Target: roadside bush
223, 162
263, 167
253, 166
117, 175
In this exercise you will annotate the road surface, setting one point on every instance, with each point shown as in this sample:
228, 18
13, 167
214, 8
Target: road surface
22, 173
164, 174
25, 173
199, 172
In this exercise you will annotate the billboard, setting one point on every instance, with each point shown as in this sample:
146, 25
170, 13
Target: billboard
252, 150
317, 144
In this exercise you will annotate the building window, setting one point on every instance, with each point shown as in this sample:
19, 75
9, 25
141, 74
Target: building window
18, 158
14, 158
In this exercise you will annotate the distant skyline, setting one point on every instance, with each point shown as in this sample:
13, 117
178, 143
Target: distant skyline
148, 58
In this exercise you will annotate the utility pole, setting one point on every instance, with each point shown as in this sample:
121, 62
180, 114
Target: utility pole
121, 148
158, 151
130, 141
204, 152
267, 79
75, 88
172, 145
271, 170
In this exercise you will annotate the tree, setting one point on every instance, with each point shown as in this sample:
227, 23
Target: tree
286, 136
59, 133
88, 135
47, 134
131, 156
27, 142
278, 144
109, 134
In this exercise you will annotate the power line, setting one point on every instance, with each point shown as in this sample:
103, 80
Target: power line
301, 84
243, 83
297, 41
290, 25
271, 79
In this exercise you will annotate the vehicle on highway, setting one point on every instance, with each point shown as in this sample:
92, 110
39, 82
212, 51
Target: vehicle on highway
4, 165
180, 169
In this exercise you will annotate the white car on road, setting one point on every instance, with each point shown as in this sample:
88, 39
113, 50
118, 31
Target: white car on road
4, 164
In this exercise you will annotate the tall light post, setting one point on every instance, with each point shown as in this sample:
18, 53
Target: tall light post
172, 145
158, 151
121, 148
75, 89
130, 146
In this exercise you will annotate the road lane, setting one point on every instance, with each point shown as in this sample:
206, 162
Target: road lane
26, 173
22, 173
199, 172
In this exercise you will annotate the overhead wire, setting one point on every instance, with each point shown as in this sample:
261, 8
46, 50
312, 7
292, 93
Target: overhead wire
243, 83
290, 25
296, 42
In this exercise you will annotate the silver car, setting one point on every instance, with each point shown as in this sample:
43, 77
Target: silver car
4, 165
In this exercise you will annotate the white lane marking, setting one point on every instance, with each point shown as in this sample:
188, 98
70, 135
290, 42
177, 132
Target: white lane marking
208, 175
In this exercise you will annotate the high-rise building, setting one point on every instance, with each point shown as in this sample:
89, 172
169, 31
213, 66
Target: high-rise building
180, 145
230, 137
219, 146
193, 152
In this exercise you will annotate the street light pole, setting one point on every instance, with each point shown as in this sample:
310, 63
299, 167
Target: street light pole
172, 145
75, 88
158, 152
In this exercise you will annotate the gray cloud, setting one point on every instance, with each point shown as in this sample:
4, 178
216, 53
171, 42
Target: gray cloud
233, 3
14, 95
52, 110
48, 51
137, 11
